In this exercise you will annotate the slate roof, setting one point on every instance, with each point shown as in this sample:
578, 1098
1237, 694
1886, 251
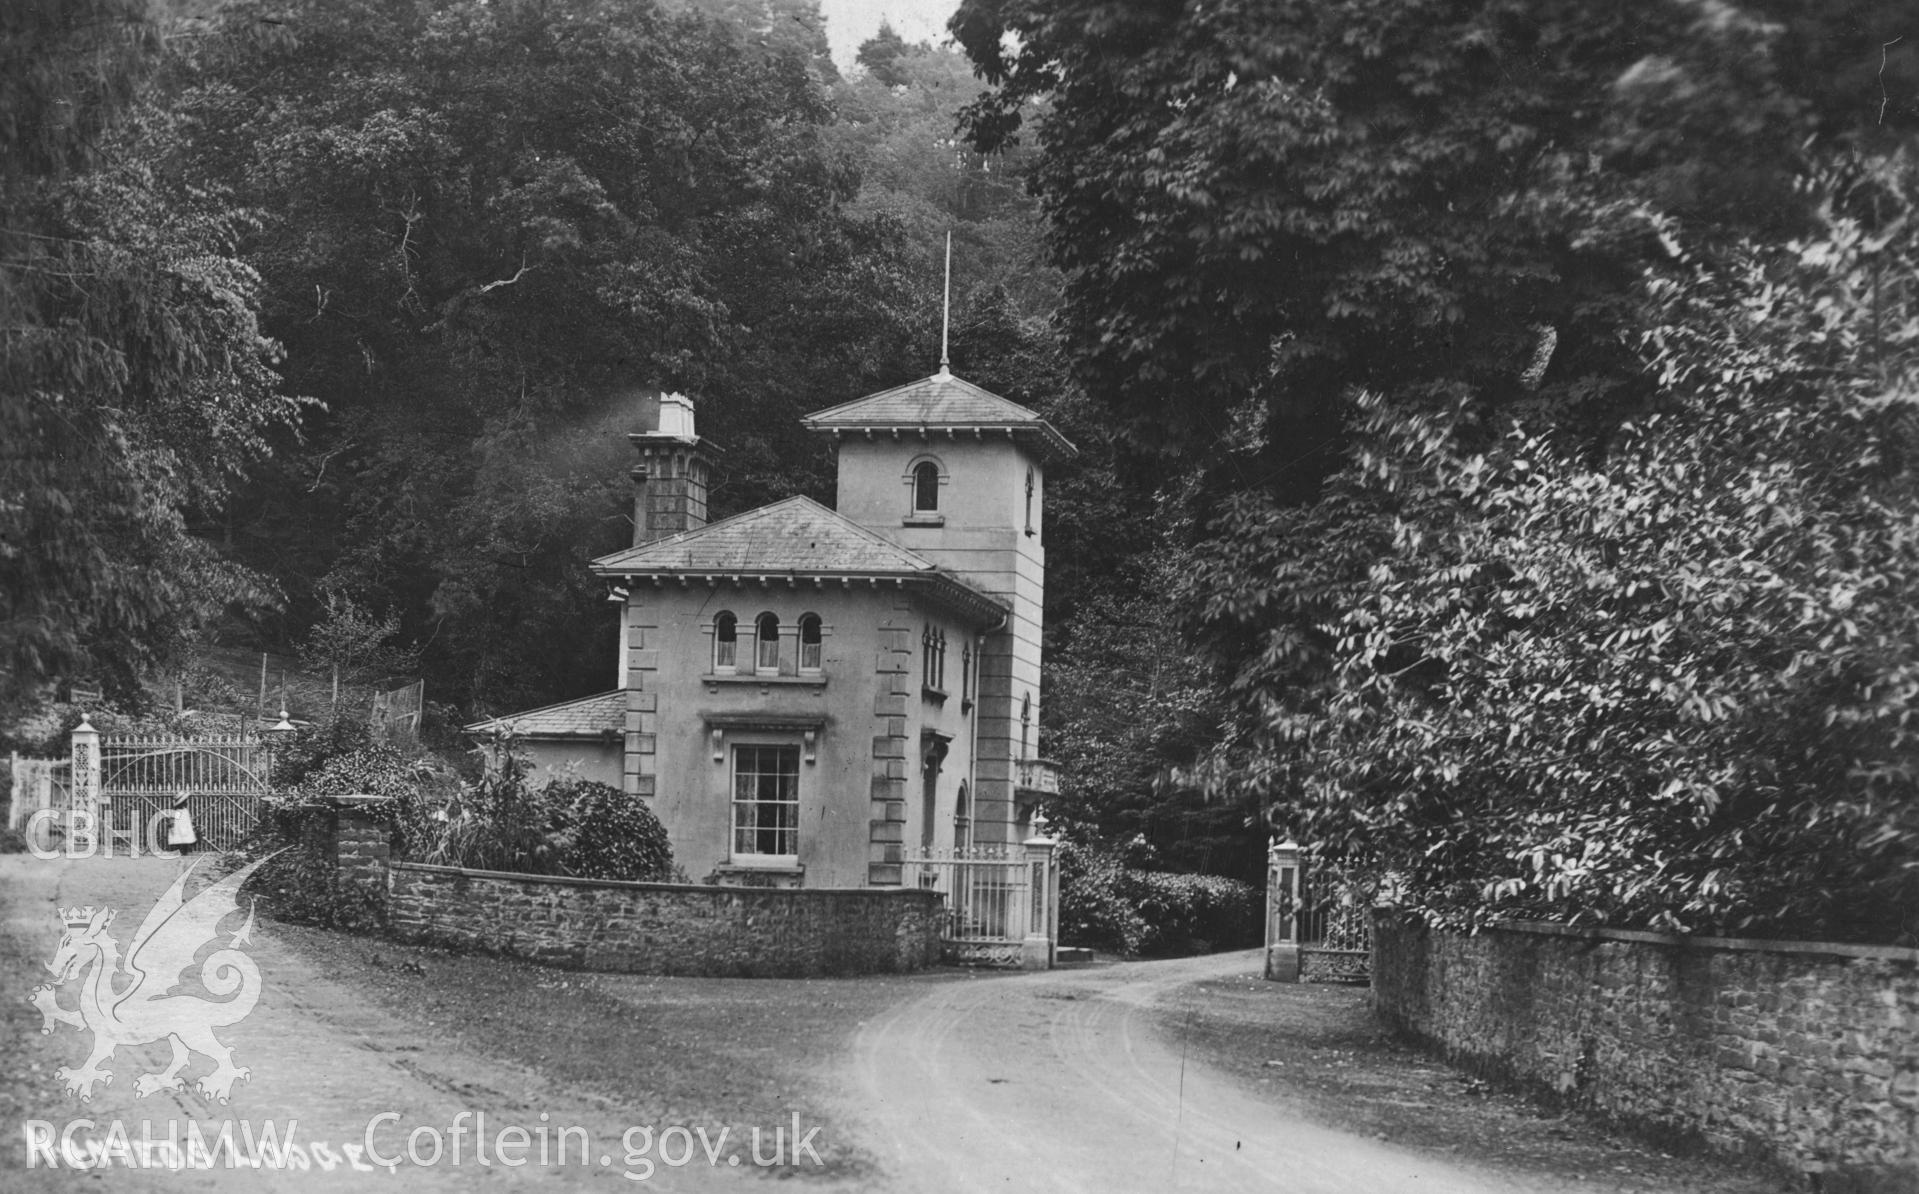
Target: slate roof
940, 402
795, 538
795, 535
586, 717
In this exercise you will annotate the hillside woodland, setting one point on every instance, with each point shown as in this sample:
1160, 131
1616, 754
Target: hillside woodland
1497, 417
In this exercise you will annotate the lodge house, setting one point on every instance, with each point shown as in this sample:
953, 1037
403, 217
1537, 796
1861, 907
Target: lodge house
810, 697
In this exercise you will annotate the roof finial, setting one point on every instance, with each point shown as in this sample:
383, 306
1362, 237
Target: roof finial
946, 310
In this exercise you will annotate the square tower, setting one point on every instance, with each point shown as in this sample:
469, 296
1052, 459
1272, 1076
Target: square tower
956, 475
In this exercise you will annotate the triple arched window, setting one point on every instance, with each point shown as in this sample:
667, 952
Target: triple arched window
767, 649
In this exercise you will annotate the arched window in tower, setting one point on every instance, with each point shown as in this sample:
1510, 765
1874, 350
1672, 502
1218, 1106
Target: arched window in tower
768, 637
926, 487
1030, 486
1025, 726
962, 817
809, 642
726, 641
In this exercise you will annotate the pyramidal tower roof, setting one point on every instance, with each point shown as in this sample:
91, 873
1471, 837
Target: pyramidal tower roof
942, 403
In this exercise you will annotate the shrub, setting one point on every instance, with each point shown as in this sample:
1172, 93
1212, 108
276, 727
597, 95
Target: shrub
608, 834
1094, 908
1670, 688
1107, 904
298, 822
309, 748
499, 823
568, 827
1196, 913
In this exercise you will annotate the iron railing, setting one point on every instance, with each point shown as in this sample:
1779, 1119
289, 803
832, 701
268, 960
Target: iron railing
37, 784
223, 776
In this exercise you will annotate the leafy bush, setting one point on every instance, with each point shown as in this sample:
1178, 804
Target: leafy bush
1094, 905
1107, 904
1196, 913
499, 823
309, 748
1671, 688
608, 834
568, 827
297, 821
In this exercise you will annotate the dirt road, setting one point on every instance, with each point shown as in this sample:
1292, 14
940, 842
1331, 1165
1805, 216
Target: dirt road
935, 1082
1058, 1082
325, 1061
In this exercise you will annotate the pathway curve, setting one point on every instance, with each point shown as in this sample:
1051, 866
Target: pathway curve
322, 1054
1058, 1082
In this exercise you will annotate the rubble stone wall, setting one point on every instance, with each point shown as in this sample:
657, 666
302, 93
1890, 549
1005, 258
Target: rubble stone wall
665, 928
1803, 1053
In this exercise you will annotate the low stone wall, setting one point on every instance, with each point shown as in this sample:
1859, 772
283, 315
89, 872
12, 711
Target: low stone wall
1803, 1054
665, 928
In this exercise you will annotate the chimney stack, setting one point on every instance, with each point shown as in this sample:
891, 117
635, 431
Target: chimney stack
669, 482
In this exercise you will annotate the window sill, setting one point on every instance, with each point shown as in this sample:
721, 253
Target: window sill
923, 520
936, 695
718, 678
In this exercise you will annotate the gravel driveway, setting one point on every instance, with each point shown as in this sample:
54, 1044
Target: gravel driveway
943, 1081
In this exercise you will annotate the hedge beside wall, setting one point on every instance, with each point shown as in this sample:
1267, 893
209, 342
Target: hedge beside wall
1803, 1054
665, 928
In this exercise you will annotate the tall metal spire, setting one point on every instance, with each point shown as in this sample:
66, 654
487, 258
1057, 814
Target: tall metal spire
946, 310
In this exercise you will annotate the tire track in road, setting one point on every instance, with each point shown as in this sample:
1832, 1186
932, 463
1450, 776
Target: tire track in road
1059, 1082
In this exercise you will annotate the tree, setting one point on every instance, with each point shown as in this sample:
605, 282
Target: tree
780, 27
1130, 708
899, 123
1261, 206
1670, 689
1301, 241
353, 645
880, 55
139, 383
492, 225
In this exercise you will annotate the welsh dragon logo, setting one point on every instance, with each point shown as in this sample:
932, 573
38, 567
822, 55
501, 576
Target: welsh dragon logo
129, 1002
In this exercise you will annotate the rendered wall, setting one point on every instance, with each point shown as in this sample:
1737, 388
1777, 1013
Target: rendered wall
565, 759
982, 538
860, 793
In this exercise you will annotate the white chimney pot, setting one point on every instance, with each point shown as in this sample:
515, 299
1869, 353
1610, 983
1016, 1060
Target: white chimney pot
676, 416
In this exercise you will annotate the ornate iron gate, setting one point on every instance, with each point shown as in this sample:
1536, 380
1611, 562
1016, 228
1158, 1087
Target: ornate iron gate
1002, 901
223, 776
1318, 918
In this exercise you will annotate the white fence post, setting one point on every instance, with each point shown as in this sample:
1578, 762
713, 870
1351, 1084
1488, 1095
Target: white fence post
1042, 894
1282, 911
86, 768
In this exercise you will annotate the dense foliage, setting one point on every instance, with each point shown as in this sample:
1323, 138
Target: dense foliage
294, 830
566, 827
1130, 708
1673, 689
1109, 900
1492, 336
138, 381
